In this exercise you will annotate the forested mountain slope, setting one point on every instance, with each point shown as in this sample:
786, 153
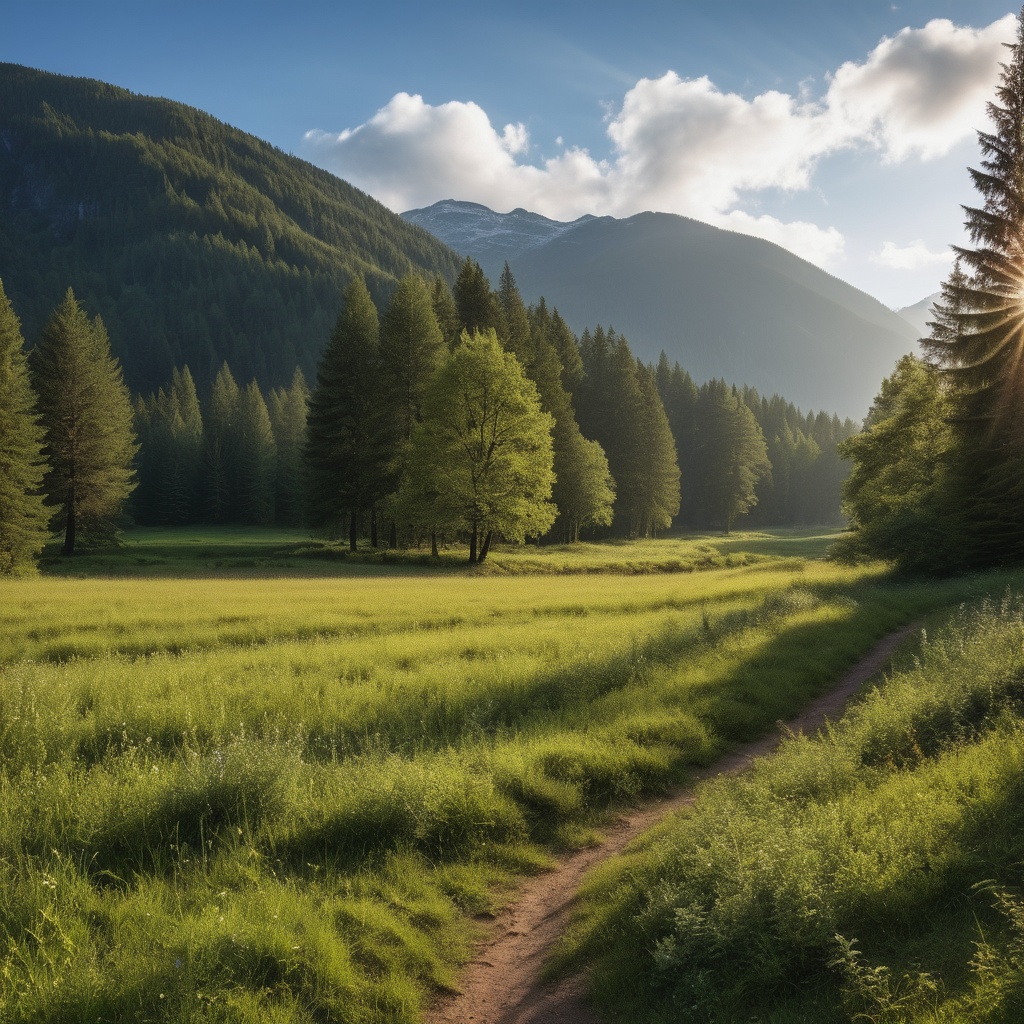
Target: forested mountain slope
195, 241
721, 303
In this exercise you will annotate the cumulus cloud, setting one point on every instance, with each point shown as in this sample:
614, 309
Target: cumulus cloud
684, 146
912, 256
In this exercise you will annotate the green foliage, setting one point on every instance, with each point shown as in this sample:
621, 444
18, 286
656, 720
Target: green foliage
257, 458
169, 426
87, 416
23, 518
196, 242
288, 414
411, 348
350, 439
481, 459
897, 496
618, 405
730, 458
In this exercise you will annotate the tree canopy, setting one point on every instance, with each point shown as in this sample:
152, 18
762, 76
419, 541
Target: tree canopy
481, 458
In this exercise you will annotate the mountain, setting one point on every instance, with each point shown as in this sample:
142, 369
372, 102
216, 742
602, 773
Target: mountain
721, 303
920, 313
490, 238
195, 241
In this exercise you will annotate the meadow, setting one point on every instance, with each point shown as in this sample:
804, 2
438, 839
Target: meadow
872, 873
245, 778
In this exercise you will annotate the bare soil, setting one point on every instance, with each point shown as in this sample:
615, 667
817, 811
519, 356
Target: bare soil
502, 984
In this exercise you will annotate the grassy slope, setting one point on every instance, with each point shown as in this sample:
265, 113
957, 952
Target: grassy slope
279, 799
871, 874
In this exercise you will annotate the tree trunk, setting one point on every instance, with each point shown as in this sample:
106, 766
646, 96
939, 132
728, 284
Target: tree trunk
69, 529
373, 528
393, 535
472, 545
353, 536
486, 546
433, 544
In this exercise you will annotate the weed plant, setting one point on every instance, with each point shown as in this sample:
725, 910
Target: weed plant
872, 873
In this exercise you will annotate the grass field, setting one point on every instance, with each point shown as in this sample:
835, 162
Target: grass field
872, 874
247, 779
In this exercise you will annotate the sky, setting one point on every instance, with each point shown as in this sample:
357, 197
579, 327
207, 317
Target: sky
840, 130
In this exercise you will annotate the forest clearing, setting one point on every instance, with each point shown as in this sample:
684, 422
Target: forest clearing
285, 798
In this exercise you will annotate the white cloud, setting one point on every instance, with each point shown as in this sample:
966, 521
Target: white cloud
912, 256
684, 146
922, 91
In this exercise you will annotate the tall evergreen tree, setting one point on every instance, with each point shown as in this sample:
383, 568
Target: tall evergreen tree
257, 458
220, 459
978, 339
446, 313
86, 412
23, 517
288, 411
411, 349
350, 437
731, 455
477, 305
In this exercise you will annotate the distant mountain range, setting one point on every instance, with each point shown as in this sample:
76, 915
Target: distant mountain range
196, 242
721, 303
920, 314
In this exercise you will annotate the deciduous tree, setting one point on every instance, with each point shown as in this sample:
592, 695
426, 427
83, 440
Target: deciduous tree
481, 459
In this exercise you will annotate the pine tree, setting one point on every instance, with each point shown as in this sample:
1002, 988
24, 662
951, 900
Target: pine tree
731, 456
446, 313
516, 334
257, 458
351, 436
288, 412
411, 348
220, 458
23, 517
477, 305
87, 414
978, 338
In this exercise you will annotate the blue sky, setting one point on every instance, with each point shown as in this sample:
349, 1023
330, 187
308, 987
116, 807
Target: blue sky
735, 113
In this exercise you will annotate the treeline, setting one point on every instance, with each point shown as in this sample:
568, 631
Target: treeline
636, 449
444, 414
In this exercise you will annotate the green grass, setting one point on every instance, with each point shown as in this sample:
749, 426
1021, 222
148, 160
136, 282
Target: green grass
871, 874
284, 797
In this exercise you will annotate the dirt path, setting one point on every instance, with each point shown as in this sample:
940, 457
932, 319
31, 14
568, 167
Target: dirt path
502, 984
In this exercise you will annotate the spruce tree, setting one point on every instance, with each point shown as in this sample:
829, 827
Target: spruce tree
411, 349
446, 313
978, 338
288, 412
477, 305
86, 413
731, 456
23, 517
220, 457
350, 437
257, 458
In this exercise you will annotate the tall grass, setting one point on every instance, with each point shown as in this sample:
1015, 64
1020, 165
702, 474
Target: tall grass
871, 874
285, 799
